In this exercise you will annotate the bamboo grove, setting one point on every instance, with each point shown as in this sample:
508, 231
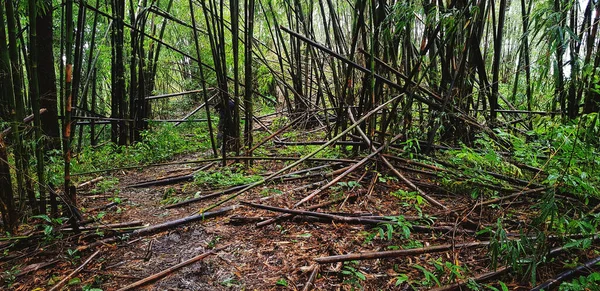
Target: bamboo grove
448, 69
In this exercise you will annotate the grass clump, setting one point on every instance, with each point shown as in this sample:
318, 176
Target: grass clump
224, 178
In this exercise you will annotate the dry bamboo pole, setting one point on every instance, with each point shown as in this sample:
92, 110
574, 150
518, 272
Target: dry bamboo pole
311, 279
269, 178
398, 253
63, 281
585, 268
347, 161
396, 172
335, 180
170, 270
288, 215
195, 110
350, 170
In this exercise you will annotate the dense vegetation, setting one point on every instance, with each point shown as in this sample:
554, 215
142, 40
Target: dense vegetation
492, 100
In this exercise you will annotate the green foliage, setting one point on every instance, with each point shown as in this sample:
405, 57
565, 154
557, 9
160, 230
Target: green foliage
9, 275
50, 225
107, 186
163, 142
386, 231
282, 282
352, 276
410, 199
223, 178
572, 163
590, 282
429, 277
523, 254
73, 256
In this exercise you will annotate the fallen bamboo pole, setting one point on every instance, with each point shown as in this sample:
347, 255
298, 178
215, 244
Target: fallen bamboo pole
396, 172
163, 226
347, 161
170, 270
313, 207
397, 253
585, 268
64, 280
331, 141
311, 279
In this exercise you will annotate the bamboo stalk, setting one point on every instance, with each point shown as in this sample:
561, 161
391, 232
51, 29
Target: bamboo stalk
170, 270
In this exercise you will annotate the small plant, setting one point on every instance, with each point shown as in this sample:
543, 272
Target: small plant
410, 199
385, 179
282, 282
90, 288
224, 178
386, 231
353, 276
10, 275
107, 186
213, 242
230, 282
583, 283
50, 225
430, 277
73, 256
270, 191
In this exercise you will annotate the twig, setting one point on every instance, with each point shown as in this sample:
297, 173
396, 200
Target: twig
84, 184
64, 280
311, 279
170, 270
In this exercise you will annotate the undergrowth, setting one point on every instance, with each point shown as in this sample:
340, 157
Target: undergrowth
161, 143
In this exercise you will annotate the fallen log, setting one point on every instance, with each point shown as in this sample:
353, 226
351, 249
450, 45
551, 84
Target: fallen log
114, 226
351, 219
346, 219
170, 270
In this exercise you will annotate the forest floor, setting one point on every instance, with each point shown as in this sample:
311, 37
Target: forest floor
279, 256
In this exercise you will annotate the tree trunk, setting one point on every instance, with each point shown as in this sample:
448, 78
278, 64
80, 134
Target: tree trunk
47, 78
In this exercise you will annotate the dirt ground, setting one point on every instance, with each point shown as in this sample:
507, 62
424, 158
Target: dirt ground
279, 256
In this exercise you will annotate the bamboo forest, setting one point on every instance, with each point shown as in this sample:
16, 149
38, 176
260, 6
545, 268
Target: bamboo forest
299, 145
